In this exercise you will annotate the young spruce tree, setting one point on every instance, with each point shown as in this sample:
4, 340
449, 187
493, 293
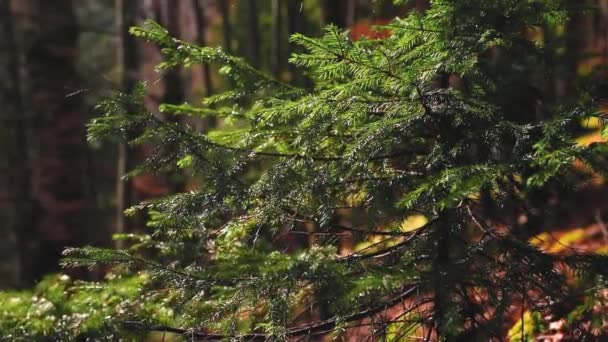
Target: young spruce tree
449, 121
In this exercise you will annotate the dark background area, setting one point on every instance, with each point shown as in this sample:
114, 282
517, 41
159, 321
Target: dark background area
59, 58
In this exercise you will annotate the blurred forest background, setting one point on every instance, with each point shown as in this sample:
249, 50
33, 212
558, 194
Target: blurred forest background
58, 58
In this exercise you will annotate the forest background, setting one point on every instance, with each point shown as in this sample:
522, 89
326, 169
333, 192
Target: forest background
59, 58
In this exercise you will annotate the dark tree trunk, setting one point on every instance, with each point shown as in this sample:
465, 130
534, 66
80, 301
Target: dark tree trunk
128, 64
226, 26
58, 126
578, 32
422, 5
148, 186
351, 13
127, 55
294, 25
604, 26
201, 36
277, 38
201, 31
174, 85
14, 200
335, 12
253, 31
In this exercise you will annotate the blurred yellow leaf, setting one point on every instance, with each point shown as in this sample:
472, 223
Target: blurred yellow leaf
413, 222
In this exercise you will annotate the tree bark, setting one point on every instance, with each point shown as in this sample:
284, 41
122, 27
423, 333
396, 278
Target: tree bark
174, 85
226, 26
578, 32
277, 38
127, 62
15, 202
422, 5
604, 26
201, 31
294, 25
253, 31
335, 12
58, 125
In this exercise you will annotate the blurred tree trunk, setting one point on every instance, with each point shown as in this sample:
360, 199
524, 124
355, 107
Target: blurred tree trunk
577, 41
201, 32
14, 200
294, 25
351, 13
226, 26
333, 12
148, 186
277, 38
174, 85
201, 36
603, 28
253, 32
422, 5
58, 125
339, 12
128, 64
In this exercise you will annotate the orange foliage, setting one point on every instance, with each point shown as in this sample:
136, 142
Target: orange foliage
365, 28
150, 186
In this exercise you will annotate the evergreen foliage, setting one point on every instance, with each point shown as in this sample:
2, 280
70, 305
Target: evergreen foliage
448, 118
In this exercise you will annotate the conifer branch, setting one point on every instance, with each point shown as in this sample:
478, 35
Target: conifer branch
312, 329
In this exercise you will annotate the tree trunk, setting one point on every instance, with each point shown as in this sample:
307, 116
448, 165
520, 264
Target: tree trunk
351, 13
201, 31
277, 38
15, 202
58, 126
294, 25
335, 12
578, 31
174, 91
174, 85
603, 27
226, 26
253, 31
422, 5
127, 62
